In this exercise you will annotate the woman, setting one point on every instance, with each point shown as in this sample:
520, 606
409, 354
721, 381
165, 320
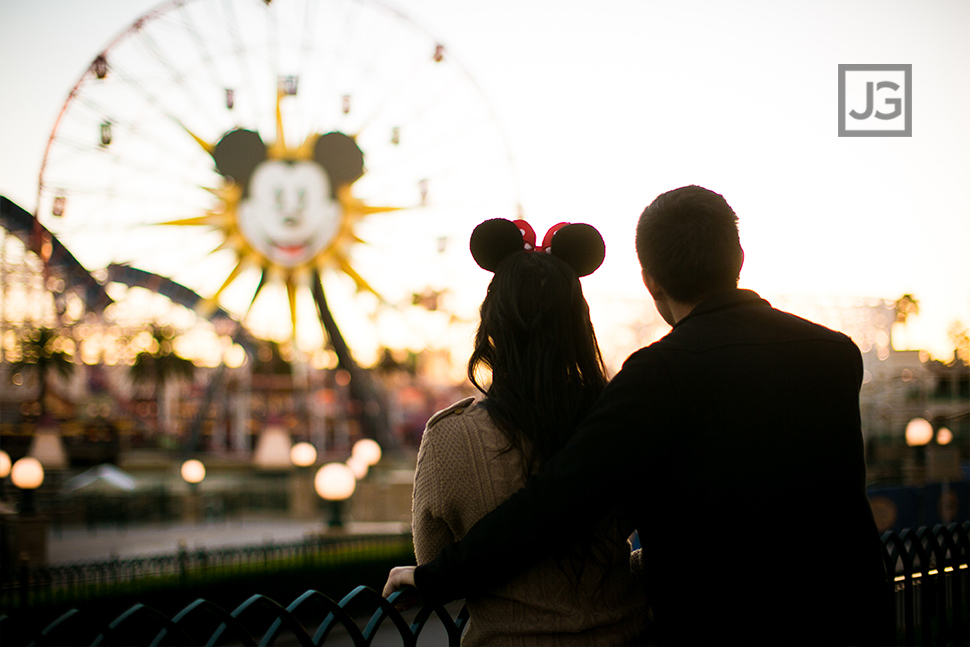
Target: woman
536, 343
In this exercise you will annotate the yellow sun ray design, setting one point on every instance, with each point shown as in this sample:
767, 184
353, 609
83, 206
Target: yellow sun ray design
230, 213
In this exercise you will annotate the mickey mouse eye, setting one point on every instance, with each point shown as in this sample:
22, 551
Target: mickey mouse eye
301, 198
279, 197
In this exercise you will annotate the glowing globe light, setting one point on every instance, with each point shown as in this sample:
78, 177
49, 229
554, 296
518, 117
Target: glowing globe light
303, 454
4, 464
27, 473
944, 436
193, 471
358, 467
919, 432
335, 482
367, 450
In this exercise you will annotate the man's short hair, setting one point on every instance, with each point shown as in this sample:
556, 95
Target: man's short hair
687, 240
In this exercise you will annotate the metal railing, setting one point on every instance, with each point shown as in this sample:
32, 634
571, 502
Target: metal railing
931, 583
929, 579
312, 619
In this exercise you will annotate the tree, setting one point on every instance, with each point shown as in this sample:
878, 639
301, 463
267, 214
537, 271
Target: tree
43, 351
960, 336
160, 365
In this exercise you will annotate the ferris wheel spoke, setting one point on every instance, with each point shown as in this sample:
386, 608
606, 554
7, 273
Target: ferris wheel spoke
199, 107
243, 62
171, 175
272, 44
306, 40
388, 100
132, 81
341, 49
101, 116
190, 28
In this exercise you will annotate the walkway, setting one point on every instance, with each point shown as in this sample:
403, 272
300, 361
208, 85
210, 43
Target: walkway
105, 542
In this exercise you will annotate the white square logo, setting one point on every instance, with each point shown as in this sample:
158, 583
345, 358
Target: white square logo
875, 100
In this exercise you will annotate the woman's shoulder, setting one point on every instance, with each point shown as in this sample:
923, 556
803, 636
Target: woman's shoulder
457, 409
464, 426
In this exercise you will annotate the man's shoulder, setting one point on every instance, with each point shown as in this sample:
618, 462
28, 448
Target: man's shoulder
754, 323
647, 363
797, 327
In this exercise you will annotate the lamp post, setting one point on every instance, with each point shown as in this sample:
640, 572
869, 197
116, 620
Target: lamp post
193, 473
27, 474
303, 455
30, 535
919, 432
4, 470
373, 499
335, 483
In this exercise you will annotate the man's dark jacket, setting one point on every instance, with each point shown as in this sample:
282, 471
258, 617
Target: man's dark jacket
735, 444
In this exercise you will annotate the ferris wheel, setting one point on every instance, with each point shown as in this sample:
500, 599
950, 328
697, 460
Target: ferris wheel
267, 153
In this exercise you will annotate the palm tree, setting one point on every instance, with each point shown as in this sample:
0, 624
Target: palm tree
42, 352
905, 306
960, 337
160, 365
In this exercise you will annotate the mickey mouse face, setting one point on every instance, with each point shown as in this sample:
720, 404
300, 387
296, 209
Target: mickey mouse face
289, 215
289, 210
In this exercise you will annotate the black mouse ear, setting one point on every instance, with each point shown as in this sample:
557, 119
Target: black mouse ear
340, 156
238, 154
580, 246
493, 241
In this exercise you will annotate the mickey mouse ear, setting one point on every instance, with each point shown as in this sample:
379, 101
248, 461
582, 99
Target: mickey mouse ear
581, 246
238, 154
493, 240
340, 155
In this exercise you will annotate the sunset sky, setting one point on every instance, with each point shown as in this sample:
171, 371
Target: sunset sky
607, 104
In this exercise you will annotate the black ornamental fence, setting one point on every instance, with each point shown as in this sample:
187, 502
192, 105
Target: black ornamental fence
928, 567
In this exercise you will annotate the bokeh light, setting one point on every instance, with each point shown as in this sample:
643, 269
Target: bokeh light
335, 482
303, 454
919, 432
193, 471
27, 473
367, 450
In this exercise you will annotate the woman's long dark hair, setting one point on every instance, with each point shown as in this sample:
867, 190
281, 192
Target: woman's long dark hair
537, 341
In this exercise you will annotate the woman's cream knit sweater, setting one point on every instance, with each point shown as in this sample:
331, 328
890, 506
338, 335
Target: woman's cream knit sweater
462, 473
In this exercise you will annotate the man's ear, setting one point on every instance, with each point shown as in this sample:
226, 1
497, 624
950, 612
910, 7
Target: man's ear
652, 286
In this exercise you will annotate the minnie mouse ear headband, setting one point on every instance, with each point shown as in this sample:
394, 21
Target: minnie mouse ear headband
579, 245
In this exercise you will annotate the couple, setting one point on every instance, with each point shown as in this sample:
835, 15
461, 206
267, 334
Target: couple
733, 446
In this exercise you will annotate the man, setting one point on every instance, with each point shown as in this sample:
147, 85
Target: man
734, 443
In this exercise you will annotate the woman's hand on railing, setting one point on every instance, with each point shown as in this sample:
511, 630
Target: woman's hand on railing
399, 578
